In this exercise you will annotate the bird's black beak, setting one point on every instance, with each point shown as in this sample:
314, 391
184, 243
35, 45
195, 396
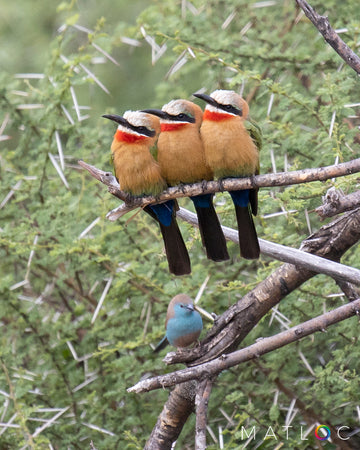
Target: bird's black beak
156, 112
207, 99
145, 131
118, 119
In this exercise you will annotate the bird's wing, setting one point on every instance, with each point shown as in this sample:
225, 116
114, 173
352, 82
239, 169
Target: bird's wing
255, 132
154, 151
256, 135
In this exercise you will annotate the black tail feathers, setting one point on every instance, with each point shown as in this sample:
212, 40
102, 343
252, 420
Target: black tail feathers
212, 236
248, 240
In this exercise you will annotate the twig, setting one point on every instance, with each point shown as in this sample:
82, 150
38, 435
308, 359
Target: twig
227, 184
330, 36
352, 292
335, 202
253, 351
201, 402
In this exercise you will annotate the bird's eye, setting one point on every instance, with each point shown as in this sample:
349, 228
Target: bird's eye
142, 129
181, 116
228, 107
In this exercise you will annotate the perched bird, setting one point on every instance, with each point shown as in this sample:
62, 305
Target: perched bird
139, 174
182, 160
232, 143
183, 323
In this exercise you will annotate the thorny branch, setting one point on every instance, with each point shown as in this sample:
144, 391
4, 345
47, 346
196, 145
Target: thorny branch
330, 36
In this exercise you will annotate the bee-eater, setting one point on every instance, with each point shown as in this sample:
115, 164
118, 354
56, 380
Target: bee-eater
183, 323
182, 160
232, 143
139, 174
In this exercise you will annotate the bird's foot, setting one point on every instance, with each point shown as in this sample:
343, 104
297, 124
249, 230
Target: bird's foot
182, 187
221, 185
129, 199
204, 185
253, 183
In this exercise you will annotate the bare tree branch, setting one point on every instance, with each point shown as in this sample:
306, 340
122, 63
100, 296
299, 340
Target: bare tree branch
253, 351
335, 202
330, 36
201, 402
227, 184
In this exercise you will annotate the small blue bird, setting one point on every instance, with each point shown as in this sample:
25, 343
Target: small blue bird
183, 323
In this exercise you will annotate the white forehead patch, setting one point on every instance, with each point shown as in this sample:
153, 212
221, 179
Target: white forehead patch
225, 97
138, 119
176, 107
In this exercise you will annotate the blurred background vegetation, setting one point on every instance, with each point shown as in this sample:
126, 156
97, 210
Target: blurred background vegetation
63, 64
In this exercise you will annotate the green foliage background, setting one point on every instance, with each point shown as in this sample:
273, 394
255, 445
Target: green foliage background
52, 355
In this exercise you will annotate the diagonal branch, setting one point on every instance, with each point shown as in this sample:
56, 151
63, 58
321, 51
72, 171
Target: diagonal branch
280, 252
253, 351
330, 36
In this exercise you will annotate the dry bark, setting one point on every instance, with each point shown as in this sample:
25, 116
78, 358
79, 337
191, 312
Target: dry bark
330, 36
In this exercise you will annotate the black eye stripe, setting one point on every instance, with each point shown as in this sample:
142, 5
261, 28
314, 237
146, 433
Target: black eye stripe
182, 117
142, 130
230, 108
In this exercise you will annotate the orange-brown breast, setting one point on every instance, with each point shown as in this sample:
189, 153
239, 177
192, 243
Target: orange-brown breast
229, 149
181, 155
136, 169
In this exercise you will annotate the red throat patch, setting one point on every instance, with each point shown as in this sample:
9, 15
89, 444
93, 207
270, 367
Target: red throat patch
216, 116
171, 126
128, 137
